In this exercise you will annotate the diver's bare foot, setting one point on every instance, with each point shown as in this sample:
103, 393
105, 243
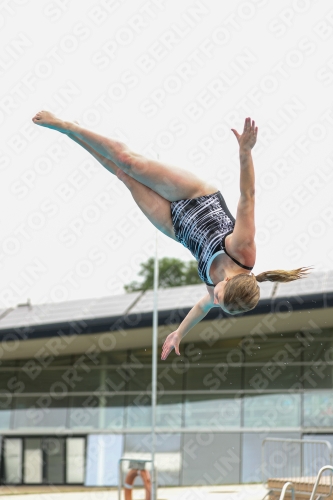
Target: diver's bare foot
49, 120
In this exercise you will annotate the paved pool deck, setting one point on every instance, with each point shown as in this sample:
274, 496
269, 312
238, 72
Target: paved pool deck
229, 492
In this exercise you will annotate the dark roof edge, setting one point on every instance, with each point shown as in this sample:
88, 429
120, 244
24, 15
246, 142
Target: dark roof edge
167, 317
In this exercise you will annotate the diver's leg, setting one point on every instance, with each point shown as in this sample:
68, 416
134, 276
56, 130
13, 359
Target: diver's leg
170, 182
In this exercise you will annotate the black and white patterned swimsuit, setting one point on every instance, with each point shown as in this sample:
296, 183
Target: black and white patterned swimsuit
201, 225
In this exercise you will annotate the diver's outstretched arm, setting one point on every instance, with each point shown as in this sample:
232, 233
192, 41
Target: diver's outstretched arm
196, 314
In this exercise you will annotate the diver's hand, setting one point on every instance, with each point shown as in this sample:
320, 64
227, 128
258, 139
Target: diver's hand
248, 138
171, 342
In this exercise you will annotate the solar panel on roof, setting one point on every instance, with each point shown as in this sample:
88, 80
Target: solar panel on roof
314, 283
69, 311
168, 299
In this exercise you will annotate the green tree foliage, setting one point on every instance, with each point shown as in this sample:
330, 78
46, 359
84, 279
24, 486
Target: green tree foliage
172, 272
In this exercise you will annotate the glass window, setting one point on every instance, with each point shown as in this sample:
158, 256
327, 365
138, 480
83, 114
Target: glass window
213, 411
93, 359
272, 376
114, 414
86, 381
13, 460
49, 360
139, 379
116, 379
140, 356
54, 460
39, 411
319, 350
74, 379
75, 454
218, 377
318, 409
284, 351
43, 380
63, 361
317, 376
138, 411
315, 335
169, 411
284, 336
226, 350
8, 380
96, 412
79, 415
33, 461
9, 363
100, 379
272, 410
114, 357
169, 377
5, 411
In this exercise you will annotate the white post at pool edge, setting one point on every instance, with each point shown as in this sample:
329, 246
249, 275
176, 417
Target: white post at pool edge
154, 374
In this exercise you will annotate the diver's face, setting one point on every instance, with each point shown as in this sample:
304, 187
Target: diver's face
219, 293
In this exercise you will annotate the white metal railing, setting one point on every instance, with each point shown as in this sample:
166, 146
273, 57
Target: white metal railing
285, 488
326, 467
294, 458
314, 491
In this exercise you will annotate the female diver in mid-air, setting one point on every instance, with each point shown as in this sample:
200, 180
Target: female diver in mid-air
194, 213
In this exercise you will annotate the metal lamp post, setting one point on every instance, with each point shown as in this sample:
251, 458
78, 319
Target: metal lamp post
154, 370
154, 374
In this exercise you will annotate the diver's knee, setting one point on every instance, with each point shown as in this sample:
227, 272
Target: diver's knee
123, 177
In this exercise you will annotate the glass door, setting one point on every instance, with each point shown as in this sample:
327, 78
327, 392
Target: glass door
12, 457
43, 460
54, 460
32, 461
75, 460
